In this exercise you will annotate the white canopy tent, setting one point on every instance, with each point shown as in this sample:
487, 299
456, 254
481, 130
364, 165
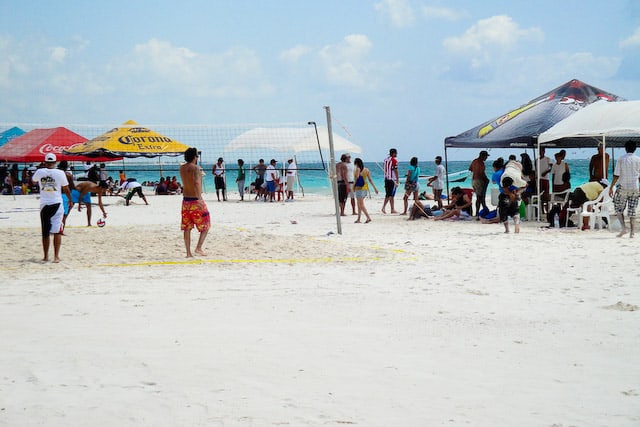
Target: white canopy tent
290, 140
609, 123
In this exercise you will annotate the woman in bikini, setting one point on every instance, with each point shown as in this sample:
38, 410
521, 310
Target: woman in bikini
361, 187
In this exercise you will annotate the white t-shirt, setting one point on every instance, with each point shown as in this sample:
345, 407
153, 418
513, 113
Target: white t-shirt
438, 183
130, 185
50, 182
627, 170
557, 170
351, 169
543, 165
291, 169
271, 170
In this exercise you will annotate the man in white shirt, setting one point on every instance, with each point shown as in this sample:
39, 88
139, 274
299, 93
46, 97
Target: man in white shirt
437, 181
291, 178
52, 183
626, 175
544, 164
350, 177
271, 178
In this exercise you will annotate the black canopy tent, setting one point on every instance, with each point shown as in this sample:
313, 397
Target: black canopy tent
520, 127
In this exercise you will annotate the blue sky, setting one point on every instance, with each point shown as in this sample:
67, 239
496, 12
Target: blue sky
402, 73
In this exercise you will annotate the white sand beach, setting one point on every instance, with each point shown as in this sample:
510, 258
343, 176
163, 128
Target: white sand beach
288, 323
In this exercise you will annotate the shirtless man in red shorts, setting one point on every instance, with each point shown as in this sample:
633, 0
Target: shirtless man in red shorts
194, 209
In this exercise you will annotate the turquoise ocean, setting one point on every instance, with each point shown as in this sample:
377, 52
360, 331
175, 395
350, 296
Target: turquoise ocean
314, 180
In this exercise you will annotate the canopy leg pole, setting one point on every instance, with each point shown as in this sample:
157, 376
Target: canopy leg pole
446, 166
538, 182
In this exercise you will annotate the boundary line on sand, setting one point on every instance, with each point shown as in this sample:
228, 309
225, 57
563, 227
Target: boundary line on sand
244, 261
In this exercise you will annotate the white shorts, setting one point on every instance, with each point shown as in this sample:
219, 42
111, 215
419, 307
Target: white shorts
290, 182
352, 194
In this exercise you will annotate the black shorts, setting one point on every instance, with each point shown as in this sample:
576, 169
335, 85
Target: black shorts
219, 181
507, 207
137, 190
259, 182
342, 191
389, 188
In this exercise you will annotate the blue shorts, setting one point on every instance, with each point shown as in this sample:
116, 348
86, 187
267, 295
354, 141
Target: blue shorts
271, 186
75, 195
65, 204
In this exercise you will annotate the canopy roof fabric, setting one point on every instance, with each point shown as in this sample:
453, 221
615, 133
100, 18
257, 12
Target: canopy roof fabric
9, 134
616, 121
289, 140
521, 126
130, 140
34, 145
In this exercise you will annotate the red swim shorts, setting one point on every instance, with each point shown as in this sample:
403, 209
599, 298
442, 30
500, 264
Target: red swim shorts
195, 213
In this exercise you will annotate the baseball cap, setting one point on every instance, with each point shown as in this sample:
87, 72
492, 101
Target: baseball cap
484, 153
50, 157
605, 182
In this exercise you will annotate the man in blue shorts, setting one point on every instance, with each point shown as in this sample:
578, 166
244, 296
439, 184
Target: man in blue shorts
81, 194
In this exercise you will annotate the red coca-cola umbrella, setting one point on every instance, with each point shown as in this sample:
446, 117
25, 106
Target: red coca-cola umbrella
33, 146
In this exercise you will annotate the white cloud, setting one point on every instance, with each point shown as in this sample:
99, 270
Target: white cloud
58, 54
346, 63
443, 13
497, 32
158, 66
399, 12
488, 45
295, 53
633, 40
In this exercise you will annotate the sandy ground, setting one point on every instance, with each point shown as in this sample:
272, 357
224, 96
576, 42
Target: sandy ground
287, 322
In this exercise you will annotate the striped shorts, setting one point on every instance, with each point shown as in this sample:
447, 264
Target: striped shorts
628, 198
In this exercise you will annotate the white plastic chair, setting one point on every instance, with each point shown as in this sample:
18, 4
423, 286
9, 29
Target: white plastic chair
559, 198
597, 209
532, 207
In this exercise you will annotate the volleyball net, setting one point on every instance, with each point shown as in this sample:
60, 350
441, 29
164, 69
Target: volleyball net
306, 143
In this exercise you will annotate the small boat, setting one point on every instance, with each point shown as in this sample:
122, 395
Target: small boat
459, 176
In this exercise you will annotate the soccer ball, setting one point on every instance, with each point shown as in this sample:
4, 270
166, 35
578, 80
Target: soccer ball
101, 222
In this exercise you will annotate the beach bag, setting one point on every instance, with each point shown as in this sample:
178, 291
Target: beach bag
360, 181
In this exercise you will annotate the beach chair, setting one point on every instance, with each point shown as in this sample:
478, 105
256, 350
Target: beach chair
532, 207
559, 198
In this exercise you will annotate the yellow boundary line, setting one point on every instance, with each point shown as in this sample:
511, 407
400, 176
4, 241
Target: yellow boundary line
242, 261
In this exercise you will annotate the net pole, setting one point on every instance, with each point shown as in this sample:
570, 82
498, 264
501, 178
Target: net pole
332, 170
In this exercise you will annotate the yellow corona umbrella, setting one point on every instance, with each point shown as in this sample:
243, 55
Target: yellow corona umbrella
129, 140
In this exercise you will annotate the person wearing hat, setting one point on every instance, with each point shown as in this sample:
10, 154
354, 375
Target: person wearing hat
52, 183
479, 180
586, 193
291, 178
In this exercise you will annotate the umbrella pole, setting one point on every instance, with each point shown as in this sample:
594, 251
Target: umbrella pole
203, 181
